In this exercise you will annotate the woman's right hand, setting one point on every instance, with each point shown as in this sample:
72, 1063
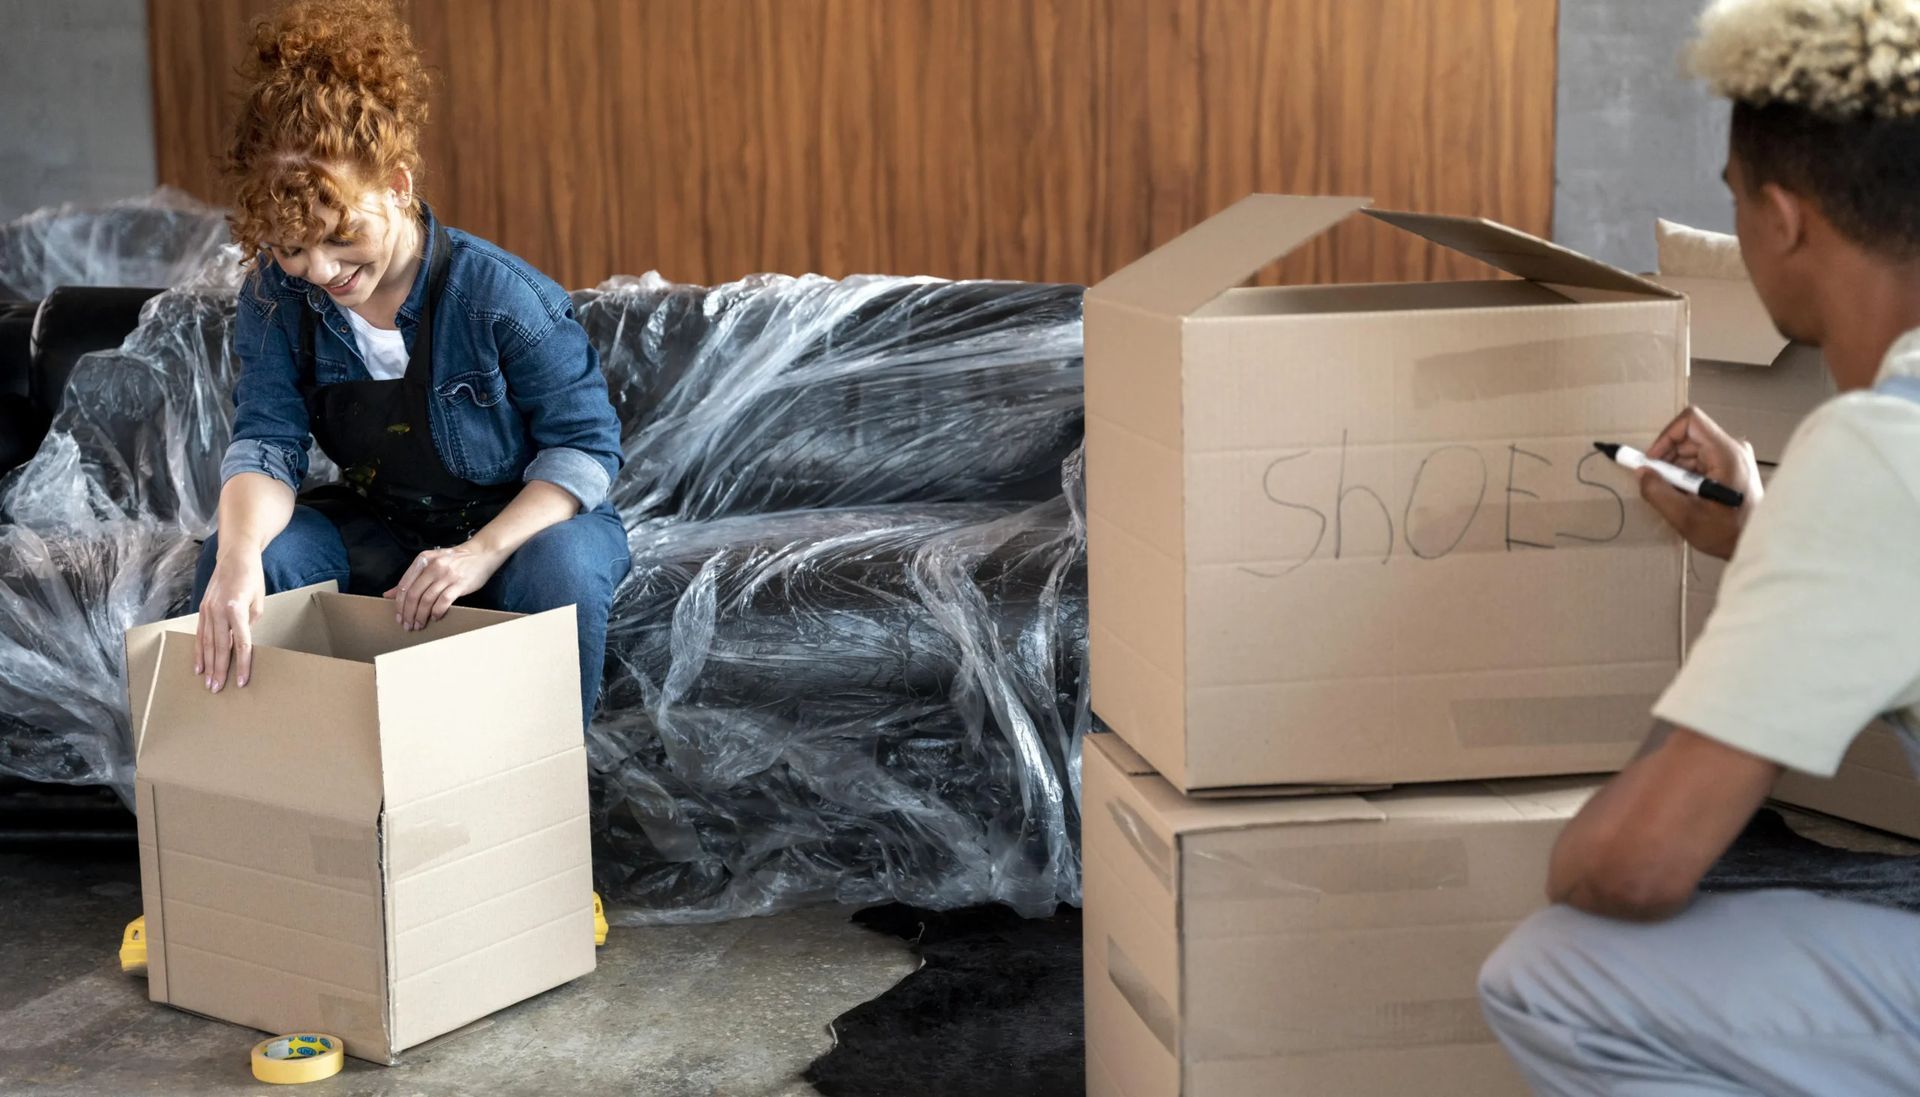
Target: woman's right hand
1696, 443
233, 602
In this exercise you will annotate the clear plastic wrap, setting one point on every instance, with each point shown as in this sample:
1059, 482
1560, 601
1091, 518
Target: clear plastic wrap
66, 601
854, 705
162, 239
878, 699
777, 393
142, 429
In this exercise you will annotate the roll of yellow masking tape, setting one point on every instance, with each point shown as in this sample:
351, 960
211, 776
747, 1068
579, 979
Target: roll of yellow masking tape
301, 1057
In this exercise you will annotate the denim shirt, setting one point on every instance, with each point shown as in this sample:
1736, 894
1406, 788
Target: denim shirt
517, 393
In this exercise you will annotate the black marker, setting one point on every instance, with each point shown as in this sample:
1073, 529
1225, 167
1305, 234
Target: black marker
1690, 482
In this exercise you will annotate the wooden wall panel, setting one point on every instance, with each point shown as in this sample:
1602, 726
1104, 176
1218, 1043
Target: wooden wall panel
1036, 139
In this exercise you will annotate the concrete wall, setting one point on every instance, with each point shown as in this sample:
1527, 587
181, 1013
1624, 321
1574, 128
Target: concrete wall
1637, 139
76, 102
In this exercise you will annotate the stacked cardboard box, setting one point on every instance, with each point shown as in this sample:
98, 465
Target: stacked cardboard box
1341, 536
1302, 945
1758, 385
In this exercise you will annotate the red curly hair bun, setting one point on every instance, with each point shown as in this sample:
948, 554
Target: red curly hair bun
336, 97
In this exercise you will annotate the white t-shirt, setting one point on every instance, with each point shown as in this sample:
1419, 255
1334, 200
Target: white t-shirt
383, 350
1817, 626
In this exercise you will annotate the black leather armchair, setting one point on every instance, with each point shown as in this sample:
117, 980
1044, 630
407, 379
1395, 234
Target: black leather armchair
41, 341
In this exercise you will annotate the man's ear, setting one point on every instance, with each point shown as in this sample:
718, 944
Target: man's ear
1783, 219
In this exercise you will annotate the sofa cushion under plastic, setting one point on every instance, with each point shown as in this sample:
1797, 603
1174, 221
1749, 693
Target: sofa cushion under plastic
22, 426
766, 610
166, 238
66, 601
778, 393
16, 346
141, 429
847, 705
74, 321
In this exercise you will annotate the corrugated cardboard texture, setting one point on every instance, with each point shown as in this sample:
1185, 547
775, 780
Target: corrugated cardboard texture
1276, 952
1746, 375
383, 836
261, 868
1729, 322
1875, 785
1350, 550
1520, 254
486, 883
143, 643
1221, 252
1763, 406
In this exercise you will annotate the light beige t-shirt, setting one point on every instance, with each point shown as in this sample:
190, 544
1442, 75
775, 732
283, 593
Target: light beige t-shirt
1817, 626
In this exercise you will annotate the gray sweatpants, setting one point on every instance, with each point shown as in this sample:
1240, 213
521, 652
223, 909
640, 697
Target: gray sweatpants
1778, 993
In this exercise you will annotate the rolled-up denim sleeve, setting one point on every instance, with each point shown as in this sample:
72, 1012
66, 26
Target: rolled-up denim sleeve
557, 382
270, 428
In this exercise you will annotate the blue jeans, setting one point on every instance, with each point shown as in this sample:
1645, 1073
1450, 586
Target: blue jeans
576, 563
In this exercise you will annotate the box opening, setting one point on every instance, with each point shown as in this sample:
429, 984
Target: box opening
363, 629
1388, 297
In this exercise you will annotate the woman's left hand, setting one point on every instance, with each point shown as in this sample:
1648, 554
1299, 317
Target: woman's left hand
439, 577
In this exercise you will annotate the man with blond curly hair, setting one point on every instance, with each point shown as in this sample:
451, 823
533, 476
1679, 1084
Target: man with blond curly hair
1630, 983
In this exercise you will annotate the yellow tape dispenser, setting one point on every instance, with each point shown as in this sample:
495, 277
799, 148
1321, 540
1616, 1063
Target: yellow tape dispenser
133, 947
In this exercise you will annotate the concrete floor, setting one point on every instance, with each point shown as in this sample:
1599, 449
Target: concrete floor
735, 1010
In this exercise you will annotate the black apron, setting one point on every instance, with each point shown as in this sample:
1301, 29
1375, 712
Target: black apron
395, 498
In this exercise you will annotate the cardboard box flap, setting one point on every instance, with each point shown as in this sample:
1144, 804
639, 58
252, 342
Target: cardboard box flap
1546, 798
1472, 802
363, 629
1185, 815
1519, 253
1729, 324
1221, 252
301, 735
143, 644
442, 728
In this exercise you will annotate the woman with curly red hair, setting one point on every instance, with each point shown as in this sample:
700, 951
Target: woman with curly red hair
447, 378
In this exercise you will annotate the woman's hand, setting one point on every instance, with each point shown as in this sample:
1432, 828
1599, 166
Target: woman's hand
1696, 443
232, 604
439, 577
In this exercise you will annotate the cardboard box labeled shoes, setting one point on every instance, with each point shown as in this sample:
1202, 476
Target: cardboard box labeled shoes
1358, 533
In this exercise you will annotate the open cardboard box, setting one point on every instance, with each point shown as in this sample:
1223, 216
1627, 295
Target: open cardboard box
1311, 945
383, 836
1358, 534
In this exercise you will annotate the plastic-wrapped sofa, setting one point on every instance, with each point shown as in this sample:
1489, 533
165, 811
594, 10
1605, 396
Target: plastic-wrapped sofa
849, 662
162, 239
75, 569
72, 280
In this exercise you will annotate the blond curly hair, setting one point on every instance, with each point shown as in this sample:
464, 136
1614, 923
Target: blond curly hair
335, 101
1836, 59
